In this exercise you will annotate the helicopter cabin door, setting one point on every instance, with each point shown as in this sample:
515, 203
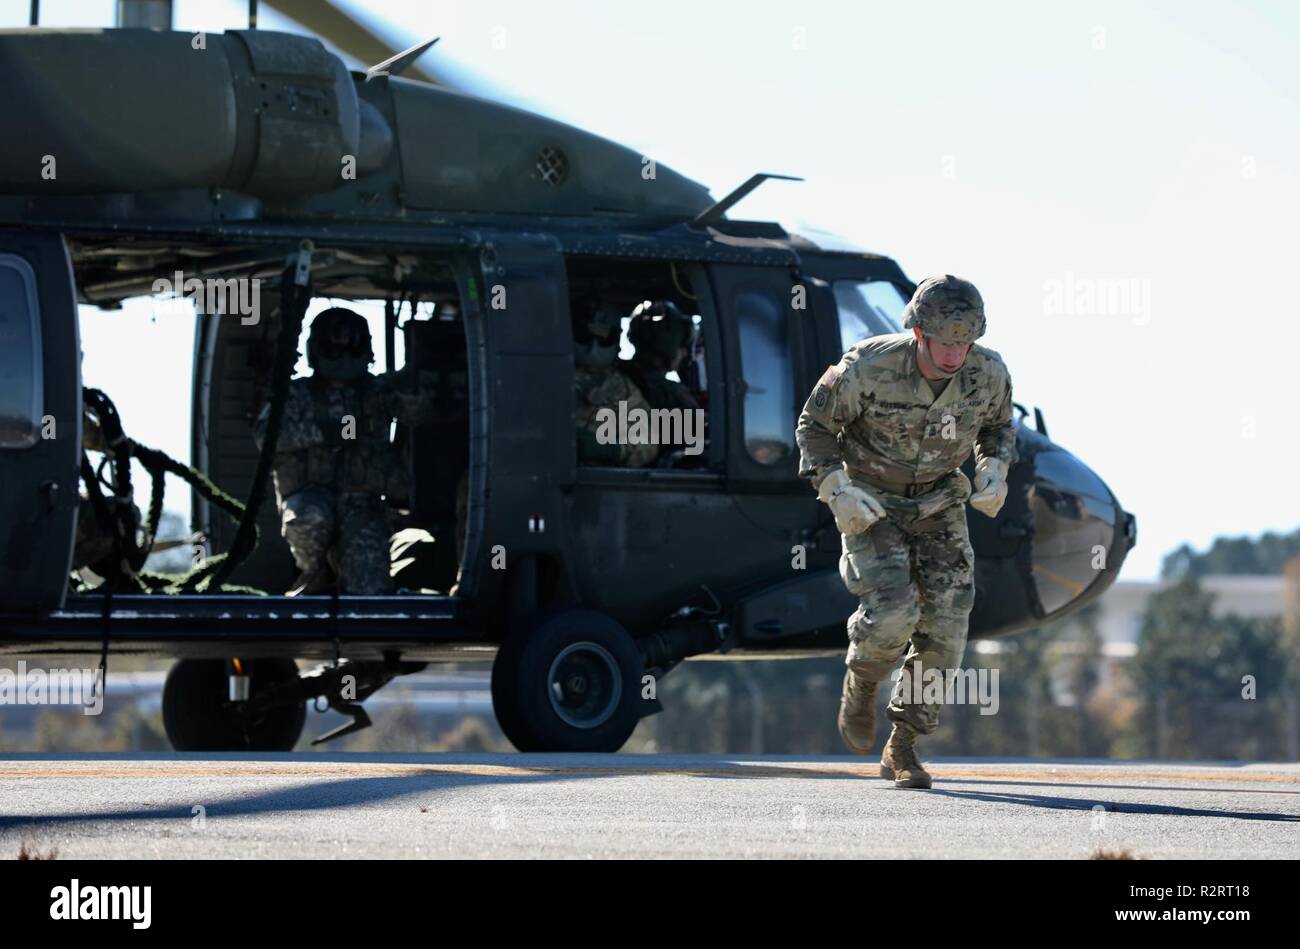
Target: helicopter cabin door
769, 352
527, 453
40, 421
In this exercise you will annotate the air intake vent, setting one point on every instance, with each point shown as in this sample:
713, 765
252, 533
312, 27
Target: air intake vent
552, 166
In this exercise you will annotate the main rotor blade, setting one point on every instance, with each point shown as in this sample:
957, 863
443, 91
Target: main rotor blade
343, 32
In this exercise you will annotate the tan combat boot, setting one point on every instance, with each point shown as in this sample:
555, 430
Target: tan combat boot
899, 761
857, 718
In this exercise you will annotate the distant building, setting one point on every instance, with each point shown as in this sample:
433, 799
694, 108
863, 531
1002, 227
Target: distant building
1123, 605
1120, 613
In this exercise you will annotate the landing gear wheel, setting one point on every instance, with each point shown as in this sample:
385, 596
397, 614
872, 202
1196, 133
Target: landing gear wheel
568, 681
198, 716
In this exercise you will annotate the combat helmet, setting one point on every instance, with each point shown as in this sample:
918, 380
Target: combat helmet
947, 308
660, 328
596, 332
338, 346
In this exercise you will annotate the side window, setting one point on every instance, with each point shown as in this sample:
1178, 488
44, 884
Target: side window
873, 308
769, 376
22, 383
641, 379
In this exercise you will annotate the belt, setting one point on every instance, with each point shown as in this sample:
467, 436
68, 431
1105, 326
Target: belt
905, 488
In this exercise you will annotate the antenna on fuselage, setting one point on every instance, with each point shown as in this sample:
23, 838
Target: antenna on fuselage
713, 213
394, 65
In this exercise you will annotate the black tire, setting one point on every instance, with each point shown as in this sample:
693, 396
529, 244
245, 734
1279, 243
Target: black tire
197, 716
505, 702
568, 681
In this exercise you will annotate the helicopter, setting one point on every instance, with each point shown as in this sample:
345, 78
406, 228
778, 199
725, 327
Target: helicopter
479, 227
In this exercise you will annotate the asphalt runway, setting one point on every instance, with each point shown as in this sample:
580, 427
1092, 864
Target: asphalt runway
637, 807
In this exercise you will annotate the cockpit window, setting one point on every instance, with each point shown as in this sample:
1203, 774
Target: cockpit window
1074, 528
768, 374
21, 380
870, 308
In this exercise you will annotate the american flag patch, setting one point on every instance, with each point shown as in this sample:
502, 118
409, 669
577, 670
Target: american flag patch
824, 386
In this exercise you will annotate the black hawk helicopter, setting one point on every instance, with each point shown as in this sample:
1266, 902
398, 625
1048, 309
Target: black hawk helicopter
136, 154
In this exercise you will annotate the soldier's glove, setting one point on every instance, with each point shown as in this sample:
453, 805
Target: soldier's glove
990, 486
854, 508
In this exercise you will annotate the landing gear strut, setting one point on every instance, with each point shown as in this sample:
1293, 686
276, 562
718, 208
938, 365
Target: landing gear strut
260, 704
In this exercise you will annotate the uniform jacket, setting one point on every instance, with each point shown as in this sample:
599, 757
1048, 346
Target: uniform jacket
660, 391
874, 412
314, 448
597, 389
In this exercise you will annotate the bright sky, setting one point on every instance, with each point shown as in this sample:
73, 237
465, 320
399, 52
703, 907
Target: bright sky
1121, 180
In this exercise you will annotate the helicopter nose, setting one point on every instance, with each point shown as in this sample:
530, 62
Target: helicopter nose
1081, 533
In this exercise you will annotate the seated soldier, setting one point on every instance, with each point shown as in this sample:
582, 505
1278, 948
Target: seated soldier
335, 468
598, 384
662, 335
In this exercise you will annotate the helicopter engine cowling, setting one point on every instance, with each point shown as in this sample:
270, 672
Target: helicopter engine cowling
103, 111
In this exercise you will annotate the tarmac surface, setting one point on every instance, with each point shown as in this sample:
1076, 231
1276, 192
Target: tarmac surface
322, 806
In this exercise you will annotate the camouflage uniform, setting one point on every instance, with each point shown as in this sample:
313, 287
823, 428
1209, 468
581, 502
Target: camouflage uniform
913, 571
595, 389
334, 467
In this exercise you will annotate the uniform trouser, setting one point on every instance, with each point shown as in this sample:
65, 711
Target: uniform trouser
354, 527
914, 579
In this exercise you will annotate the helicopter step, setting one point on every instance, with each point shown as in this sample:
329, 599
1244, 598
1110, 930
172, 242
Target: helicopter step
226, 625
